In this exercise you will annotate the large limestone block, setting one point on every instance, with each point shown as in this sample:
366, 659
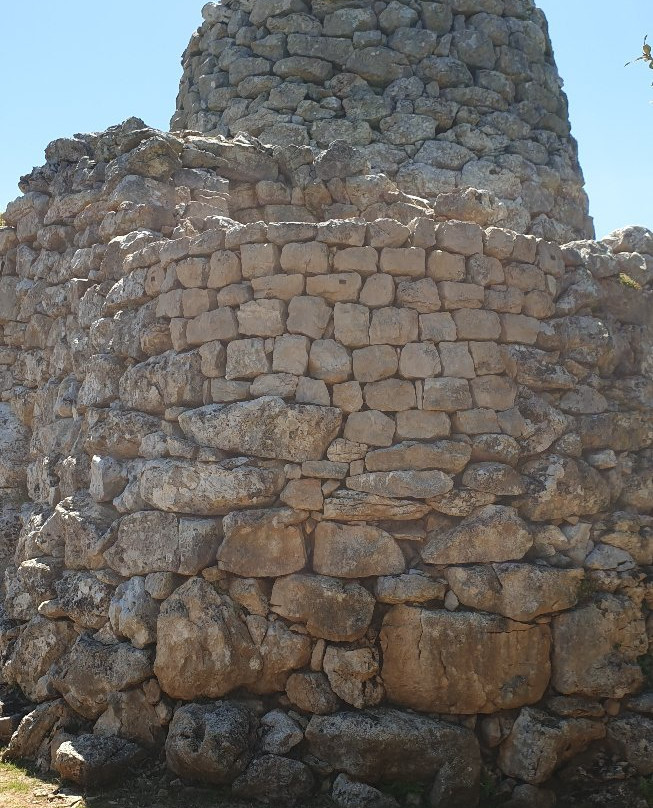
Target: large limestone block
152, 541
266, 427
203, 648
36, 654
566, 488
631, 736
445, 455
14, 445
208, 489
331, 609
133, 613
283, 780
93, 760
282, 651
385, 745
91, 671
415, 484
518, 591
355, 551
538, 743
211, 743
169, 380
596, 646
490, 533
353, 675
29, 584
85, 528
354, 506
263, 543
462, 662
84, 598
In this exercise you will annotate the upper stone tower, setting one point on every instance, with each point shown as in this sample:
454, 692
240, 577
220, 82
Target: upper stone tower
438, 95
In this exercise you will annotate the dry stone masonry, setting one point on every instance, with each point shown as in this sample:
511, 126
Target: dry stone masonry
439, 96
309, 482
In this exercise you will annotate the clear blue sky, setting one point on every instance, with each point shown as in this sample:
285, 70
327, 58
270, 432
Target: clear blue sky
76, 66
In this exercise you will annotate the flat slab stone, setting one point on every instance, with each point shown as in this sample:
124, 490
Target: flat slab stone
208, 489
462, 662
265, 427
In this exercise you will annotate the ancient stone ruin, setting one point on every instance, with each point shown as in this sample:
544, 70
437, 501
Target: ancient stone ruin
325, 433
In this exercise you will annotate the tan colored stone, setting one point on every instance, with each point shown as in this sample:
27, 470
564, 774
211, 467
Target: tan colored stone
290, 354
596, 647
246, 359
312, 391
224, 270
456, 360
329, 608
329, 361
263, 543
494, 478
477, 325
420, 295
422, 425
525, 277
309, 316
519, 328
484, 270
203, 648
196, 301
354, 506
262, 318
375, 363
348, 396
258, 260
351, 324
363, 260
393, 326
413, 587
419, 361
465, 238
519, 591
505, 300
214, 360
280, 287
447, 394
303, 495
487, 358
415, 484
475, 421
449, 456
409, 261
461, 295
378, 291
437, 327
219, 324
353, 675
340, 287
390, 395
490, 533
266, 427
462, 662
446, 266
312, 693
310, 258
355, 551
493, 392
370, 427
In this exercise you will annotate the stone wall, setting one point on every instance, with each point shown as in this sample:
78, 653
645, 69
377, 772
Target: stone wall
438, 95
382, 480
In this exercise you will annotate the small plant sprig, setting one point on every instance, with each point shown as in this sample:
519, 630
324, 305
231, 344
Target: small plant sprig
647, 55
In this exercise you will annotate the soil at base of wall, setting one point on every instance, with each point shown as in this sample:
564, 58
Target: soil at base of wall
155, 788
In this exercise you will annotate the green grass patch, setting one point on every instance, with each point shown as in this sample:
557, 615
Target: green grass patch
631, 283
13, 779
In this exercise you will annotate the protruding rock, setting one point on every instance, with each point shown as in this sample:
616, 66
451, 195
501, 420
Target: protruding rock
355, 551
462, 662
203, 648
266, 427
93, 760
211, 743
277, 780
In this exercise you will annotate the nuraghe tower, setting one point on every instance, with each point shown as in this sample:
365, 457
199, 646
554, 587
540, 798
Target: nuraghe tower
326, 428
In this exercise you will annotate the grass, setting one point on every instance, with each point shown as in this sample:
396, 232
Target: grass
14, 779
626, 280
645, 789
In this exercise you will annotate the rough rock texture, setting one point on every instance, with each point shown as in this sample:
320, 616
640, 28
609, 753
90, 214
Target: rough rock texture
318, 427
443, 97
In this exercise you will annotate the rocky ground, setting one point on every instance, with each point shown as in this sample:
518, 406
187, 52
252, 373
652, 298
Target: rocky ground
578, 787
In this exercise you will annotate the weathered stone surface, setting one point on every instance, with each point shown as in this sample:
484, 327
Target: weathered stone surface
169, 380
264, 543
353, 675
36, 656
131, 715
595, 648
539, 743
83, 598
353, 506
330, 608
85, 524
490, 533
91, 671
282, 780
416, 484
355, 551
13, 448
436, 661
388, 745
211, 743
33, 730
282, 652
518, 591
93, 760
207, 488
631, 736
267, 427
203, 646
449, 456
349, 793
133, 613
567, 488
282, 733
152, 541
410, 588
311, 693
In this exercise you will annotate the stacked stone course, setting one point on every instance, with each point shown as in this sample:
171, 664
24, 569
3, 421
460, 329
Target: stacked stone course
437, 95
308, 482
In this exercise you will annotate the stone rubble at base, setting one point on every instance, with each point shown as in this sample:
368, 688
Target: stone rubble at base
310, 483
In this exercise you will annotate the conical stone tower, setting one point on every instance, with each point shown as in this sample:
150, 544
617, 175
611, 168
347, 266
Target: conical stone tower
437, 95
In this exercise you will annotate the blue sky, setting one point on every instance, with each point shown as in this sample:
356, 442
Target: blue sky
82, 66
